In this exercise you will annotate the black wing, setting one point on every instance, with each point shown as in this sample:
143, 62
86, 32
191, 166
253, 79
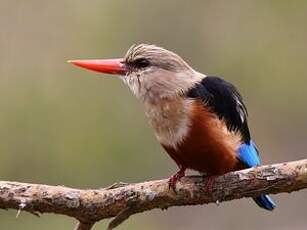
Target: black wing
223, 99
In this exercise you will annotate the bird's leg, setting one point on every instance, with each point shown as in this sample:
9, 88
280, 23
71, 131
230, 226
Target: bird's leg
210, 183
177, 176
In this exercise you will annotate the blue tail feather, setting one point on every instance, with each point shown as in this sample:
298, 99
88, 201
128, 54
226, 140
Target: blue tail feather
248, 154
265, 201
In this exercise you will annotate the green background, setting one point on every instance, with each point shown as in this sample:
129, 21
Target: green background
64, 126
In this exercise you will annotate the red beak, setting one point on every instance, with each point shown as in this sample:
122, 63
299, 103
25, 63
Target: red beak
109, 66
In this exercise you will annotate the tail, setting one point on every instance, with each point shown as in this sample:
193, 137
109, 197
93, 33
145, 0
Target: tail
265, 201
248, 155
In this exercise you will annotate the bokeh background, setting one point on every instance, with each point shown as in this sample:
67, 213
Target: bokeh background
64, 126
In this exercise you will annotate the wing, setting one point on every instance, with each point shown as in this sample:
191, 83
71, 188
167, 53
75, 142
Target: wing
248, 154
223, 99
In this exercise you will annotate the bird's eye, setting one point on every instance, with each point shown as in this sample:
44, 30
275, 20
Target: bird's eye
141, 63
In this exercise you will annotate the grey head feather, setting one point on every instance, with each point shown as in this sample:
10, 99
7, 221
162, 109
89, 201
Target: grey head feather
157, 56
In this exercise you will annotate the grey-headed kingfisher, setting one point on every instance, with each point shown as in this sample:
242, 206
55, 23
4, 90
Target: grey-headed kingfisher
200, 120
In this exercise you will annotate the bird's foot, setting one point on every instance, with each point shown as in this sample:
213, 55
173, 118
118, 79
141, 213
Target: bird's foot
210, 183
173, 180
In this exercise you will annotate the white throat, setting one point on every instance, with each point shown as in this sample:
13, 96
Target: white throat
170, 120
165, 106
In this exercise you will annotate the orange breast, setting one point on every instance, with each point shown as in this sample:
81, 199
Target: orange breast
209, 147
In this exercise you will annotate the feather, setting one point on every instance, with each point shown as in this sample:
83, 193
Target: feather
248, 154
224, 100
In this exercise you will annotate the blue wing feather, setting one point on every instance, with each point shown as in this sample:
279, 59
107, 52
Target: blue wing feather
248, 154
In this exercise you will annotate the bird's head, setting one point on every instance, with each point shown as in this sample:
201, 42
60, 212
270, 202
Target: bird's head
151, 72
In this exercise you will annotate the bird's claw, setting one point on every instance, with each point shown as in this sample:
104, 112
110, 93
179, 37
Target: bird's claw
176, 177
210, 183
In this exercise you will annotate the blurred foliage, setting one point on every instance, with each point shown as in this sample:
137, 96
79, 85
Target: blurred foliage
62, 125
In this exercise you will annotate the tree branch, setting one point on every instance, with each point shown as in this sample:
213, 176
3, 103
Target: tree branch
123, 200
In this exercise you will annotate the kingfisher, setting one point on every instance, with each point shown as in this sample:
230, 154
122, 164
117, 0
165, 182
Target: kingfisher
200, 120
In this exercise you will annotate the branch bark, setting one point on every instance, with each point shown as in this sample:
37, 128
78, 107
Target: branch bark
123, 200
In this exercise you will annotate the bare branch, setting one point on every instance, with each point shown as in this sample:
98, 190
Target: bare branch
123, 200
84, 226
